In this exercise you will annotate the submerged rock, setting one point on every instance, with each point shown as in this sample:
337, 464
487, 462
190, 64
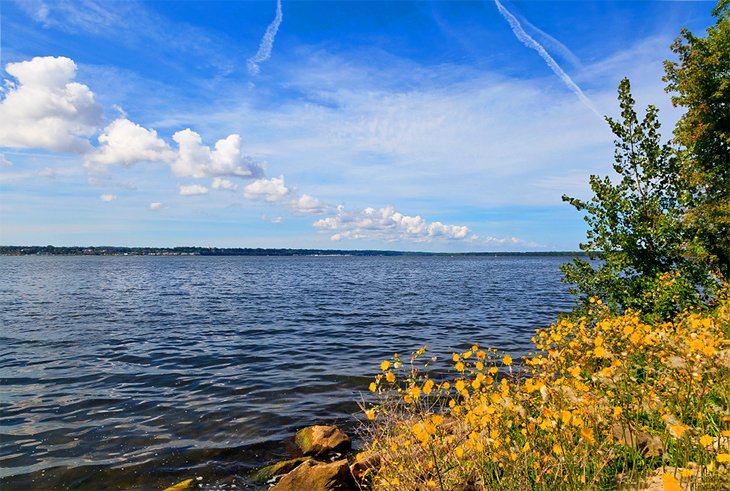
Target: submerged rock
320, 440
316, 476
278, 469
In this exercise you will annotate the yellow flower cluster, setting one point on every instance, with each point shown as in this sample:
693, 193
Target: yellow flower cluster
602, 403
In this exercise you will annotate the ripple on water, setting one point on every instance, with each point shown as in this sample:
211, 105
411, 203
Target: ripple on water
133, 372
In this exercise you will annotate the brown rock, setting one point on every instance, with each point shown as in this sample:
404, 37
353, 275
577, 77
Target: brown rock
364, 463
319, 440
278, 469
648, 445
314, 476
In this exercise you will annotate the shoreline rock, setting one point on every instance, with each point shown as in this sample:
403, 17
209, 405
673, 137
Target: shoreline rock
324, 466
320, 440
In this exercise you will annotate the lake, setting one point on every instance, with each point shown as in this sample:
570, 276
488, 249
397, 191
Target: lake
137, 372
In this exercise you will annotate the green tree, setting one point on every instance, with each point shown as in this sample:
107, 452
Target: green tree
634, 221
700, 80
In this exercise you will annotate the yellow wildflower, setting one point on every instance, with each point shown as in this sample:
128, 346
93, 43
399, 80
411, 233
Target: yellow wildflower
507, 360
677, 430
670, 483
706, 440
385, 365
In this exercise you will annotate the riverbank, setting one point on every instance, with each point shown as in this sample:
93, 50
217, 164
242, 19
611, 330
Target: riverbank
608, 401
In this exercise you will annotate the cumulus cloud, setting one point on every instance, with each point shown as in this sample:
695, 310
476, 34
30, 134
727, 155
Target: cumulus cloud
309, 204
106, 198
155, 205
192, 190
270, 190
198, 161
220, 183
125, 143
389, 225
46, 109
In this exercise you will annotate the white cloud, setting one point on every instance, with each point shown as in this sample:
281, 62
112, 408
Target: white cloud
267, 42
271, 190
309, 204
220, 183
37, 9
4, 162
192, 190
47, 172
46, 109
198, 161
125, 143
389, 225
106, 198
155, 205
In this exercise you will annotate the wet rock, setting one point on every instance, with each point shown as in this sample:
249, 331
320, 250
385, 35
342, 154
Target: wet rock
316, 476
320, 440
278, 469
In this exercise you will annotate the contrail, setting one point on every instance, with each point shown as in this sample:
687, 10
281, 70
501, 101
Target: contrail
531, 43
267, 42
553, 43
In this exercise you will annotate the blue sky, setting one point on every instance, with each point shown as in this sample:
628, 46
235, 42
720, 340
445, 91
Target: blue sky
440, 126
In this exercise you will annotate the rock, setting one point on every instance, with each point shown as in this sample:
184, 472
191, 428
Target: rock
315, 476
278, 469
319, 440
362, 464
648, 445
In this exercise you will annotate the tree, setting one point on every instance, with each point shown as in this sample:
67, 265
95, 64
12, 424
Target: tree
634, 224
701, 81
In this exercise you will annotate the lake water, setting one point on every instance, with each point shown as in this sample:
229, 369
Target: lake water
137, 372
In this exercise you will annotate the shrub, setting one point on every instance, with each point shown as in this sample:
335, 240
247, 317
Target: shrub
605, 401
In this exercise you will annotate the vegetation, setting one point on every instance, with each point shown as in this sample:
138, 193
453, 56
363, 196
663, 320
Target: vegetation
633, 387
700, 80
601, 405
236, 251
669, 208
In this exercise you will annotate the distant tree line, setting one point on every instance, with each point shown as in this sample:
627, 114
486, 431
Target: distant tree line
50, 250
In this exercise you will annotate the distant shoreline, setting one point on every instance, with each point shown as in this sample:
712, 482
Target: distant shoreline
247, 251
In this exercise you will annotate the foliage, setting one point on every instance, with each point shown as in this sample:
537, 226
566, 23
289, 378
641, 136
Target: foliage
634, 224
700, 80
600, 406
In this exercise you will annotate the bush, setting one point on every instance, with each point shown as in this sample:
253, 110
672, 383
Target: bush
606, 401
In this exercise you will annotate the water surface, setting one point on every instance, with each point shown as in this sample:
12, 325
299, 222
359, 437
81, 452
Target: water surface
134, 372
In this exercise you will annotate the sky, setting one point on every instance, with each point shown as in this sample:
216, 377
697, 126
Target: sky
428, 126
